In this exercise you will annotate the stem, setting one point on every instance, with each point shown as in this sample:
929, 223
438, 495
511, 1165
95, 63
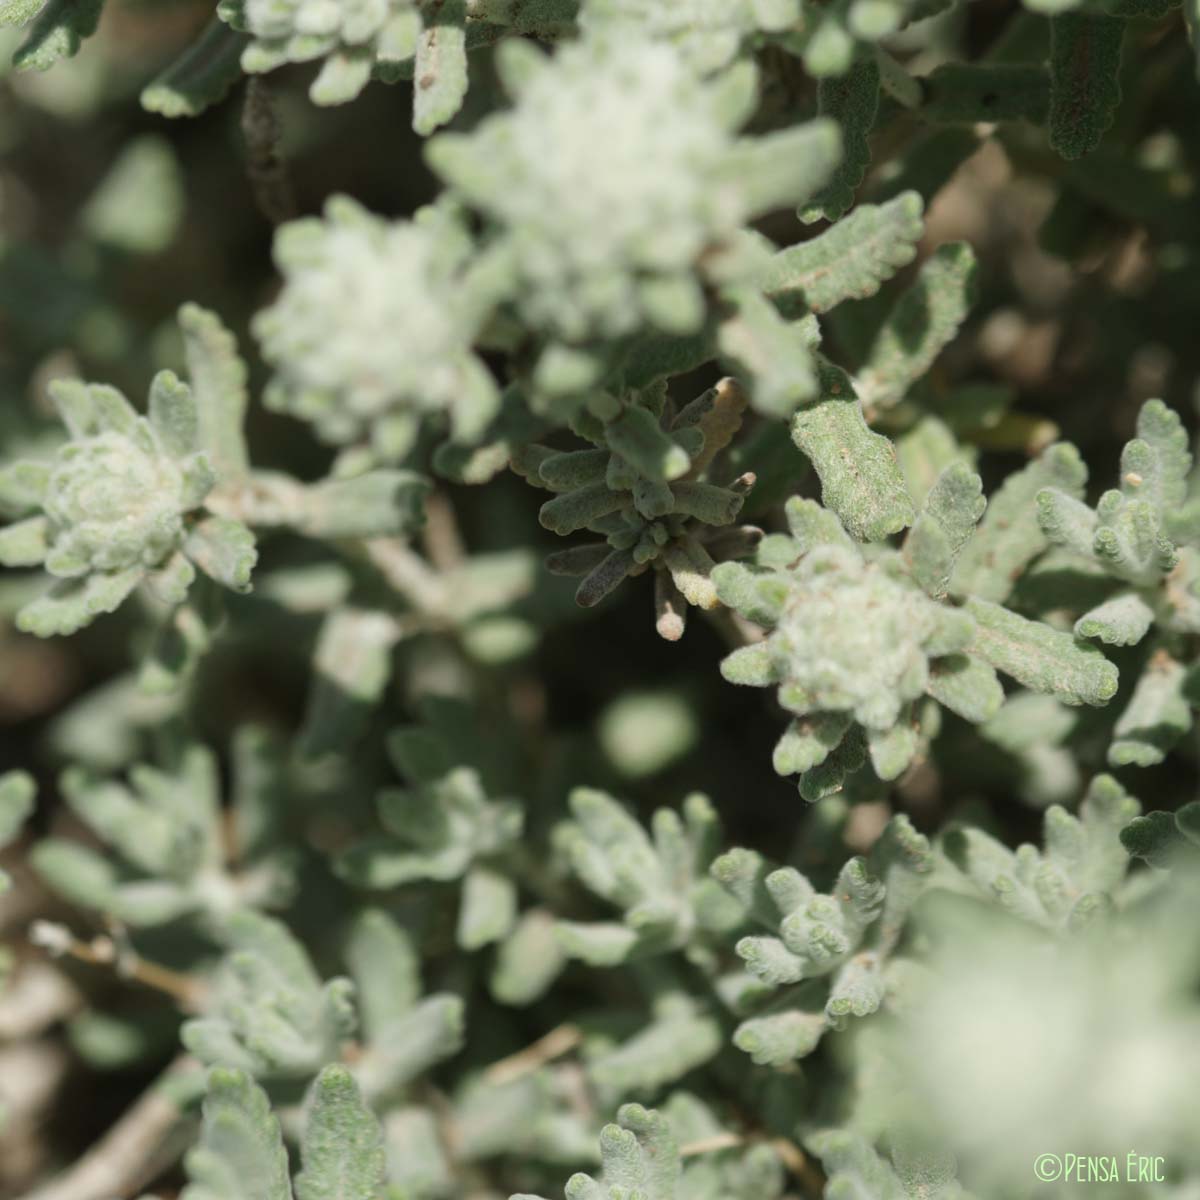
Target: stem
148, 1138
442, 539
408, 573
897, 82
269, 179
559, 1041
58, 941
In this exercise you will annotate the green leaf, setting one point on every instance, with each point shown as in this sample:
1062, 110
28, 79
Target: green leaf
440, 74
203, 75
775, 355
224, 549
70, 604
1085, 89
1155, 465
218, 381
488, 910
385, 967
341, 1154
1041, 658
860, 477
638, 438
19, 12
780, 1038
58, 33
1122, 621
343, 74
967, 93
24, 543
920, 324
240, 1155
173, 414
944, 526
852, 100
528, 960
966, 685
81, 875
17, 790
1009, 536
1155, 719
850, 260
377, 504
353, 663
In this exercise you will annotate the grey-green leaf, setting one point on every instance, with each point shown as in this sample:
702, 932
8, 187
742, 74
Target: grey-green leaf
341, 1154
860, 477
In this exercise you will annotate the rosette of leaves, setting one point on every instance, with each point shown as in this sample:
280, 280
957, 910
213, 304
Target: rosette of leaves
619, 194
1137, 535
825, 958
1072, 880
269, 1013
442, 827
121, 503
659, 880
170, 852
709, 33
644, 487
859, 637
407, 356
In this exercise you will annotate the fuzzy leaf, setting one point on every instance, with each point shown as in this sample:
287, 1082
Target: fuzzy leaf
440, 74
70, 604
1122, 621
17, 790
860, 477
1041, 658
1009, 536
341, 1154
1085, 65
203, 75
852, 100
850, 260
944, 526
218, 381
1157, 716
224, 549
377, 504
775, 355
922, 322
58, 32
240, 1155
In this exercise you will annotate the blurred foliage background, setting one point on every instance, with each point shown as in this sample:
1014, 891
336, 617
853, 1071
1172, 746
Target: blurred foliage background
110, 217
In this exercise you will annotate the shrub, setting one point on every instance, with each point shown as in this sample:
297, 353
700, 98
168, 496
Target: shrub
643, 642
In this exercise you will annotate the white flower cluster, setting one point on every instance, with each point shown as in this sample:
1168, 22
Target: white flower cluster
709, 33
407, 350
610, 178
857, 637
